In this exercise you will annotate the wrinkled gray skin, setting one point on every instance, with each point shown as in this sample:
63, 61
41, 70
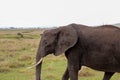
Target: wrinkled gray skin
94, 47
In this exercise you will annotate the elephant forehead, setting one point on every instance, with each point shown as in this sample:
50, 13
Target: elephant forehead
47, 33
50, 32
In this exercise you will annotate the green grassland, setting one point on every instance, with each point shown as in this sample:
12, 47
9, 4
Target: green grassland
16, 54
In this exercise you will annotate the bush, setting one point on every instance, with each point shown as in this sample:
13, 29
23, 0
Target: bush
16, 64
4, 69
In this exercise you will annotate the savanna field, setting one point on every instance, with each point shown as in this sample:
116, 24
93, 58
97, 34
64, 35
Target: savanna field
17, 54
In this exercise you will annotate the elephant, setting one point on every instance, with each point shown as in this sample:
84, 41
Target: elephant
95, 47
20, 34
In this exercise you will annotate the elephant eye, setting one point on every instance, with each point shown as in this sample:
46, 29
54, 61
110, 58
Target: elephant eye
45, 42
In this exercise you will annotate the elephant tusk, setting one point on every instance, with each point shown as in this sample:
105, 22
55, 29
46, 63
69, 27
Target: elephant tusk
36, 64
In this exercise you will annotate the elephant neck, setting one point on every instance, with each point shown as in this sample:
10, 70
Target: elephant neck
81, 39
76, 29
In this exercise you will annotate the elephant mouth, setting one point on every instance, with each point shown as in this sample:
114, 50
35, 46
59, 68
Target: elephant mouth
39, 61
36, 63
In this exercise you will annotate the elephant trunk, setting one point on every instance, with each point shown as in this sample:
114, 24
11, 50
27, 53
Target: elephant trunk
39, 59
38, 69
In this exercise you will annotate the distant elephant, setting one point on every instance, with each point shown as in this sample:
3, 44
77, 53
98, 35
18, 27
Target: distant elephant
94, 47
20, 34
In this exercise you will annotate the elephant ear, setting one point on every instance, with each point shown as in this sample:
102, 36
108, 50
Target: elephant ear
67, 38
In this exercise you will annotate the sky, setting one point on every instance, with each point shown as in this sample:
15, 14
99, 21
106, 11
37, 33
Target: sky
48, 13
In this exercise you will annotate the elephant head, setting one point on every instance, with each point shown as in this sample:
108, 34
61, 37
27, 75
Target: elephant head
55, 41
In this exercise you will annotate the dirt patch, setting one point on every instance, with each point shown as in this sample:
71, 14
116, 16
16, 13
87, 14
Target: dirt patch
85, 72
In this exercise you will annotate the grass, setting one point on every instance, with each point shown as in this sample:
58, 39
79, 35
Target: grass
16, 54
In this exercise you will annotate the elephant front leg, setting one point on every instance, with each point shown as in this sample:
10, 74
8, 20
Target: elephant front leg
66, 75
74, 63
73, 72
73, 68
108, 75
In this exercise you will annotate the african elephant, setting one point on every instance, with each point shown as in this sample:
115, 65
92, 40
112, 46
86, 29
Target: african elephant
94, 47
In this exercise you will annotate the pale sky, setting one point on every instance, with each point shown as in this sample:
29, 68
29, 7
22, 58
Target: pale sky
29, 13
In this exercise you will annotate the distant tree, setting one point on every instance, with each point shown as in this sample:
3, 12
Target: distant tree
12, 27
